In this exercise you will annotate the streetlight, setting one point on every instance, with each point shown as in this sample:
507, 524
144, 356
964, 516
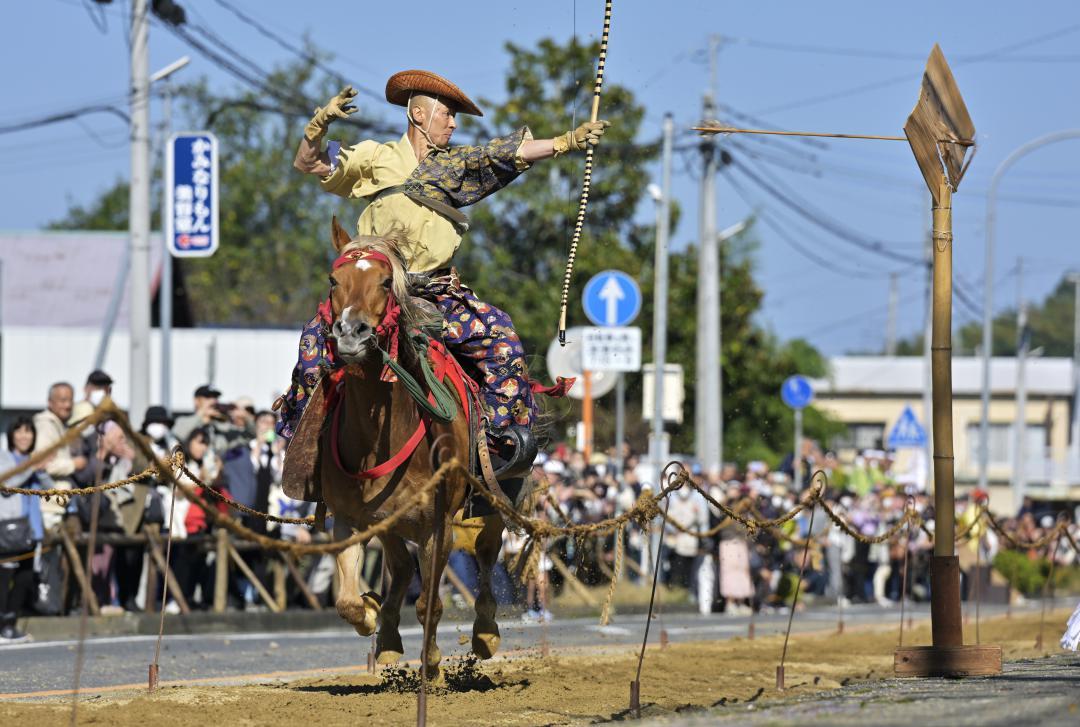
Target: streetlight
165, 290
988, 289
125, 262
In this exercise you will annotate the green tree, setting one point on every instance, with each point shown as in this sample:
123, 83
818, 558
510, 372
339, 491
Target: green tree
1050, 323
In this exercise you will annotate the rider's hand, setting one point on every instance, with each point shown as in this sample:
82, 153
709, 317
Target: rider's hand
586, 135
339, 107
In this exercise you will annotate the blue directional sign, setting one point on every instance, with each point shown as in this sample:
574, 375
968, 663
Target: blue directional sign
797, 392
612, 298
191, 194
907, 433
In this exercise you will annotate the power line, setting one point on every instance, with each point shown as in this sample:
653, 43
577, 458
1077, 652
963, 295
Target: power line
890, 55
907, 77
64, 116
876, 247
767, 217
301, 52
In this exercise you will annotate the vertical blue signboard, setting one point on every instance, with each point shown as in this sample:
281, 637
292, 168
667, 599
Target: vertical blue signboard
191, 194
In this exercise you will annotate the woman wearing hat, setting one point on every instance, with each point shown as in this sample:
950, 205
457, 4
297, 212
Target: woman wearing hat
416, 186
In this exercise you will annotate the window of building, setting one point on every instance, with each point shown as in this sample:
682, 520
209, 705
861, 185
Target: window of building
860, 436
1001, 438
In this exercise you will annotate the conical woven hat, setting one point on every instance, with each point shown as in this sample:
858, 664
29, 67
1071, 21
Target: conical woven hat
403, 83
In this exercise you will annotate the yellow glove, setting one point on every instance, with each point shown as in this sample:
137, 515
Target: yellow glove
339, 107
586, 135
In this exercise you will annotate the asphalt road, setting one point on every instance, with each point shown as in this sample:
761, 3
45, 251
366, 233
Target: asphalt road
1030, 692
43, 669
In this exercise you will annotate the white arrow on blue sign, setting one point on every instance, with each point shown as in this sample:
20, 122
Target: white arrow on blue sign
797, 392
907, 433
612, 298
191, 194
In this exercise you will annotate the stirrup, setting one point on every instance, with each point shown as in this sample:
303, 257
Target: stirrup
513, 450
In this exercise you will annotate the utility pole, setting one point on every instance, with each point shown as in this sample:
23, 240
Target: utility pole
988, 274
660, 297
139, 215
1019, 482
890, 326
657, 446
1074, 430
708, 406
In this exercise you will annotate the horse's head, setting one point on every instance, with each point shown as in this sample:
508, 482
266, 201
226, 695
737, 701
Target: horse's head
367, 290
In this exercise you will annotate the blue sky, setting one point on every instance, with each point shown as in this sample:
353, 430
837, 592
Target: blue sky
829, 66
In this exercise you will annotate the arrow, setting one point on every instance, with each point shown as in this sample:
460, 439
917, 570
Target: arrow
611, 294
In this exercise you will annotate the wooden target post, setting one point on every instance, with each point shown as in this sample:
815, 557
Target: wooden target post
940, 133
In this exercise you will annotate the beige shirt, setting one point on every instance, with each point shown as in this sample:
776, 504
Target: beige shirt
368, 168
49, 430
60, 466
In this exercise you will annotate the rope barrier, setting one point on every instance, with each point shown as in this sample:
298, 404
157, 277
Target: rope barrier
646, 509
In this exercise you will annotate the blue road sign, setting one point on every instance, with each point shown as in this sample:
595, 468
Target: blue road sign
612, 298
907, 433
191, 194
797, 392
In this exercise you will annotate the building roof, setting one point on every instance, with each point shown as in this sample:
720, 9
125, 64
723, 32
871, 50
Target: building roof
905, 376
64, 279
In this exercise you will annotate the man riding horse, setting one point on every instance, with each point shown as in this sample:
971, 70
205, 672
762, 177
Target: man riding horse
414, 188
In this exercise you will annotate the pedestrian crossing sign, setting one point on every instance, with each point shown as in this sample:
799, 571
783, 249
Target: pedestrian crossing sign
907, 433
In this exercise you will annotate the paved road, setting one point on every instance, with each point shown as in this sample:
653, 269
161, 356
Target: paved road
1036, 692
38, 669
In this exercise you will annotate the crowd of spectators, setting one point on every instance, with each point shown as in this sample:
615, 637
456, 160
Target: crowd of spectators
233, 447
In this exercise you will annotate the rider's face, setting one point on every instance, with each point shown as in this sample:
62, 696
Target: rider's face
443, 123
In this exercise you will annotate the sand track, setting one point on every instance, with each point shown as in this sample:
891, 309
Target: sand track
568, 687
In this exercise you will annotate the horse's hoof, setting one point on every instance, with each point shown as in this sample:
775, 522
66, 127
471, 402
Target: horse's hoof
485, 645
362, 614
434, 674
385, 658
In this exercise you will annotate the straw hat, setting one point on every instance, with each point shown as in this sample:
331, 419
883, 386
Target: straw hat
403, 83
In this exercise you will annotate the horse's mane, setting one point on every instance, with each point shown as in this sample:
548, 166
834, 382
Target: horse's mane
392, 245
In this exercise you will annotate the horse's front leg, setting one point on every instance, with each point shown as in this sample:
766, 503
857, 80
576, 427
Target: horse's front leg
359, 609
399, 563
485, 636
434, 553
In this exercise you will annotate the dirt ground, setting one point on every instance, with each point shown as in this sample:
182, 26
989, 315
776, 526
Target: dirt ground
568, 687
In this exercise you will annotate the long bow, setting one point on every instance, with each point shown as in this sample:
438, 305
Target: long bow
586, 182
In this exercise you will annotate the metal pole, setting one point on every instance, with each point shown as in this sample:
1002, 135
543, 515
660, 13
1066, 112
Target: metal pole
890, 327
119, 286
707, 404
796, 460
1, 341
620, 424
988, 294
165, 290
139, 216
1074, 431
660, 293
1019, 482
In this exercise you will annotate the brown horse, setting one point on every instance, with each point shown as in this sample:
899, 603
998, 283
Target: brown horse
377, 418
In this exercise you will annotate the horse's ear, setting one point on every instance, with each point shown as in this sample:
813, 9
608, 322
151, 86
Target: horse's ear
338, 235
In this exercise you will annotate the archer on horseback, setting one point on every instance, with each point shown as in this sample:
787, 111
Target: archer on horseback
415, 188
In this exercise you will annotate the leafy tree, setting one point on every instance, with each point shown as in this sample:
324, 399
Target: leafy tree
1050, 324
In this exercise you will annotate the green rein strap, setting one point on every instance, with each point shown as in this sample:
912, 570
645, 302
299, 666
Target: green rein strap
445, 408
